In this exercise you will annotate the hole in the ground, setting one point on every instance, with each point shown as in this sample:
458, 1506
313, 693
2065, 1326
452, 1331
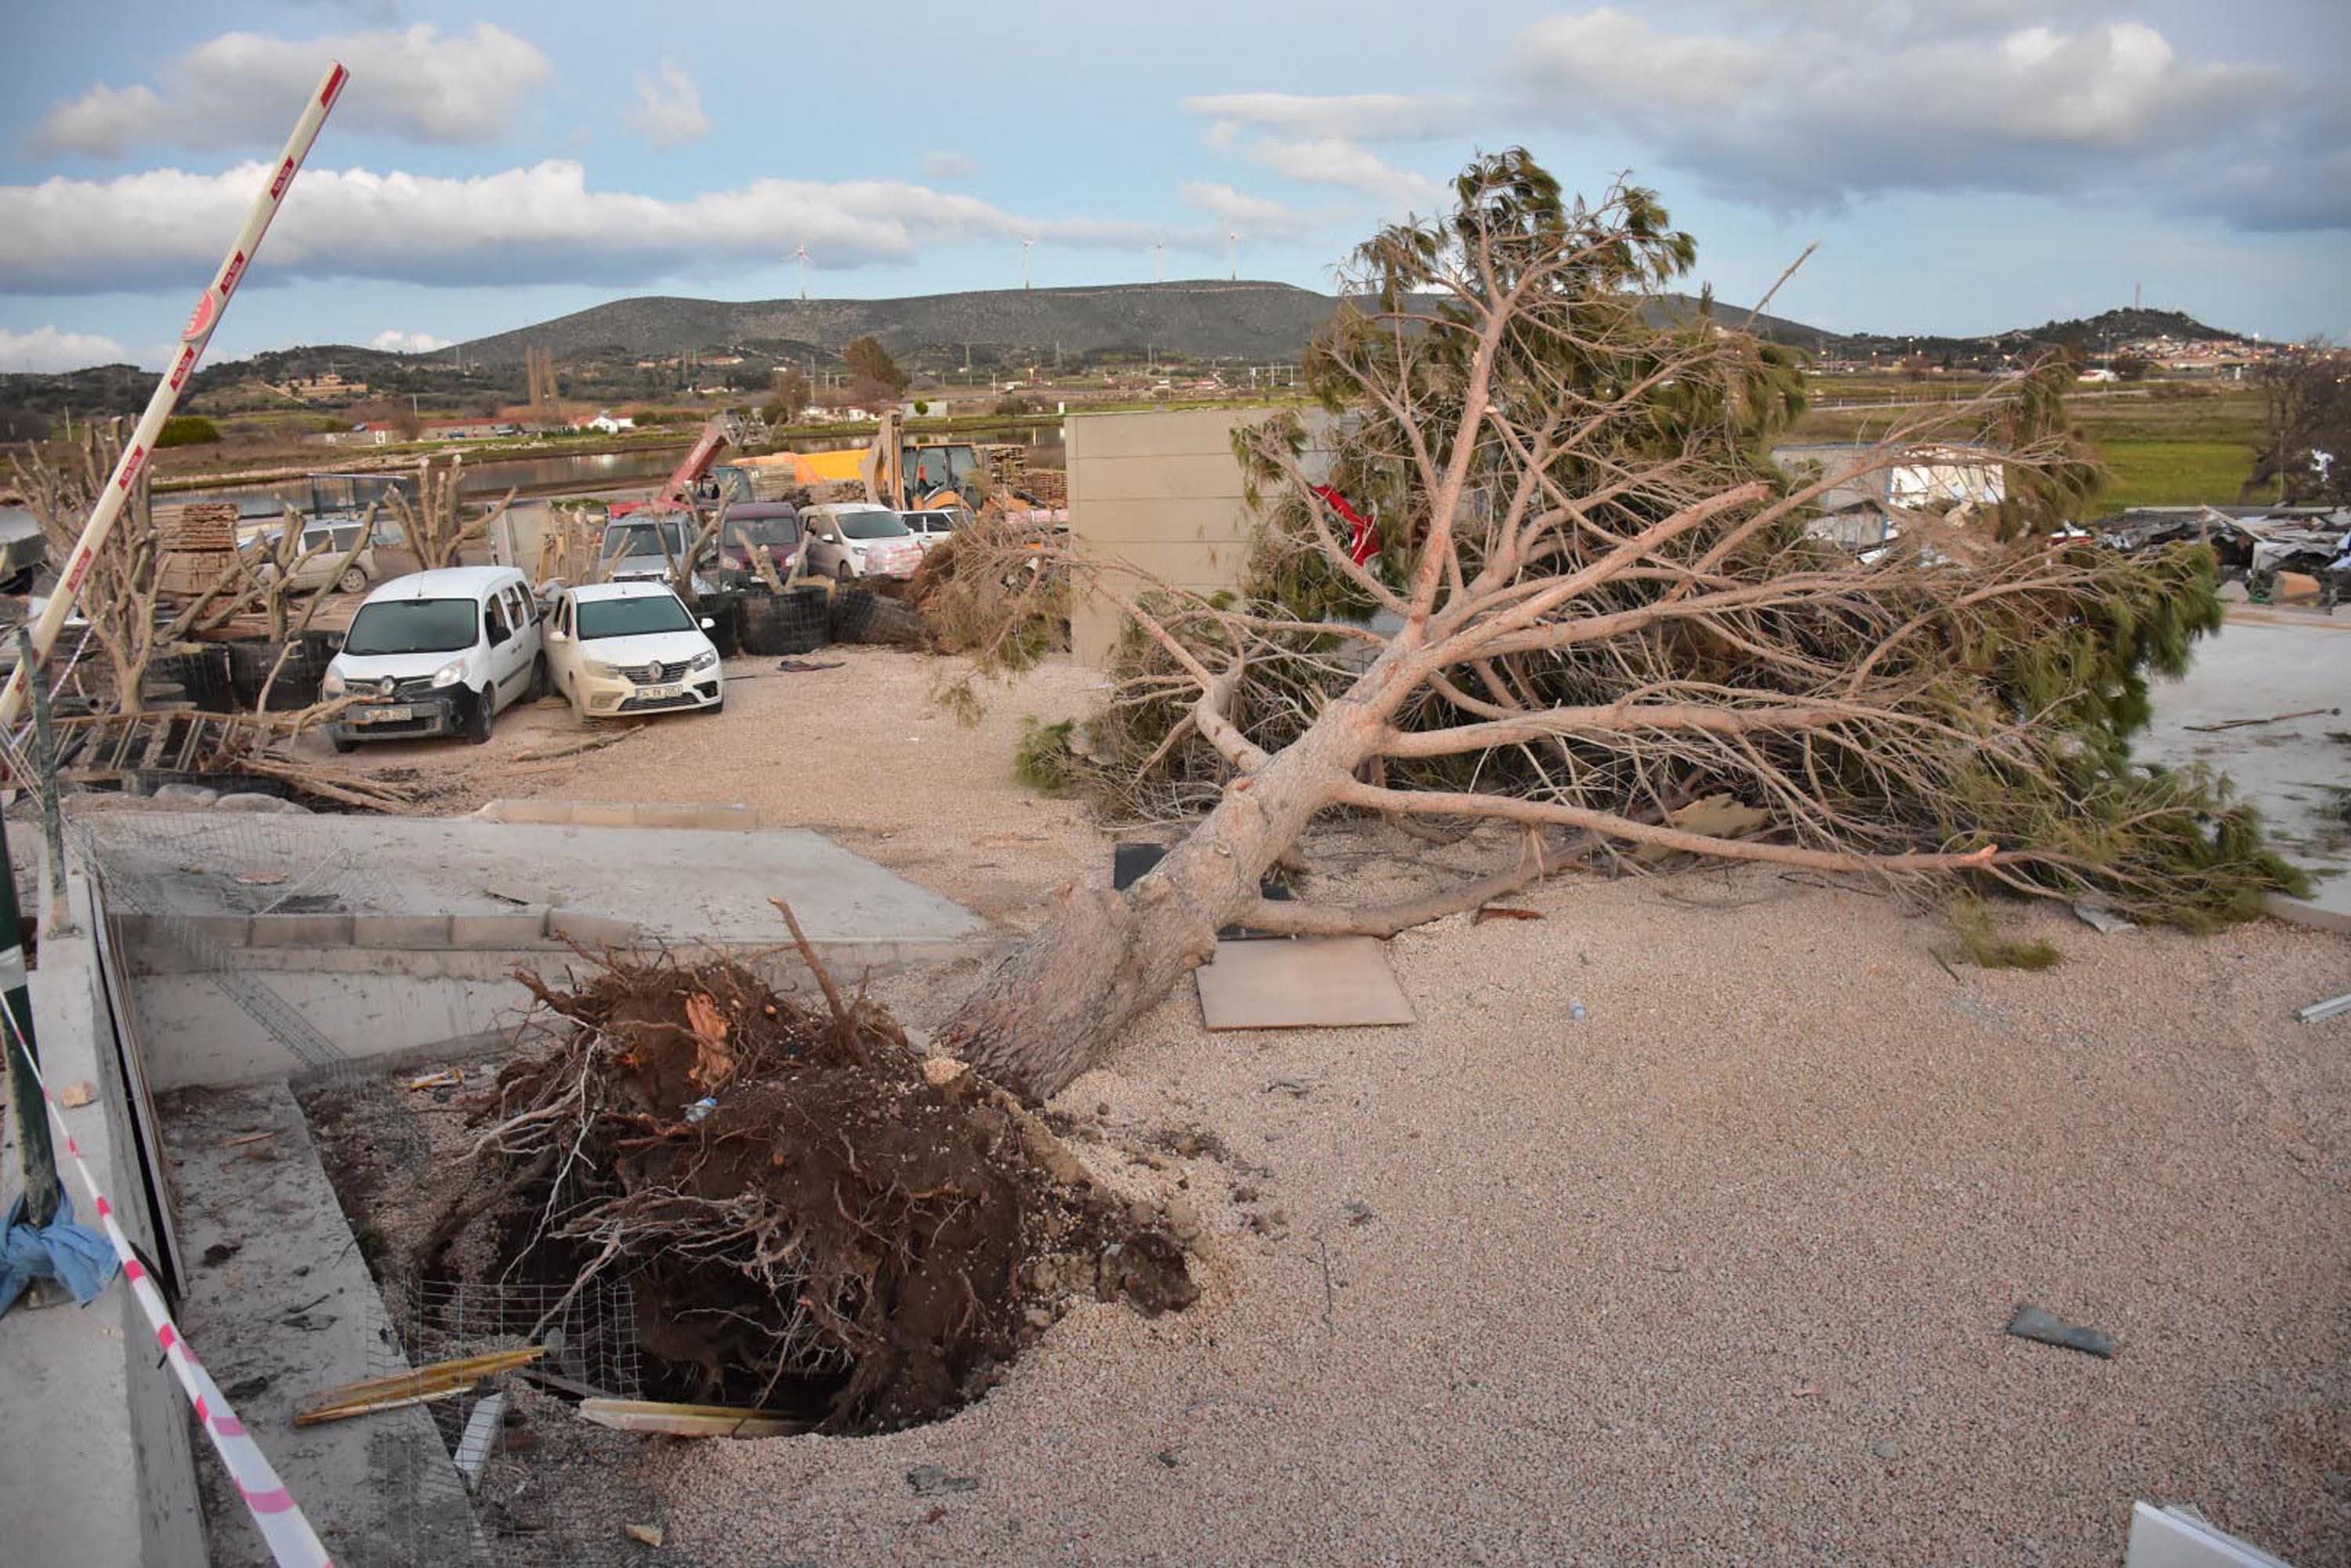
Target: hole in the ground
806, 1219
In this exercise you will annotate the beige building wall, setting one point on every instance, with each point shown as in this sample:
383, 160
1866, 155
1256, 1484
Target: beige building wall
1161, 491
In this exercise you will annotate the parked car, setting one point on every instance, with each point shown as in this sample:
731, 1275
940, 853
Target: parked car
931, 525
437, 653
619, 648
773, 529
326, 543
853, 539
648, 546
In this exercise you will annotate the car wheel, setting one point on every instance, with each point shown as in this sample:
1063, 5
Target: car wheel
484, 711
353, 580
343, 747
718, 706
844, 573
538, 679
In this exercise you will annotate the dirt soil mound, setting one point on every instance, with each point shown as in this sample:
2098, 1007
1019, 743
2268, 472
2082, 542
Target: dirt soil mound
812, 1218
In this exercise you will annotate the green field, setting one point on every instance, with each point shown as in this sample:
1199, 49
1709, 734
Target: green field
2176, 447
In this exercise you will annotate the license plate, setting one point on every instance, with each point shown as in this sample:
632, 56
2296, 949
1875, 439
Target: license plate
656, 694
384, 715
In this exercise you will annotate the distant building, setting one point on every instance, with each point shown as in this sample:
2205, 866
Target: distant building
606, 423
328, 388
1859, 510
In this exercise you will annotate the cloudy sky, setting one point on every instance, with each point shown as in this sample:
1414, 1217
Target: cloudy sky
1967, 165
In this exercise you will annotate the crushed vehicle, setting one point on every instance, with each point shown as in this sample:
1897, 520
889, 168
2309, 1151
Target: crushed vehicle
615, 649
436, 653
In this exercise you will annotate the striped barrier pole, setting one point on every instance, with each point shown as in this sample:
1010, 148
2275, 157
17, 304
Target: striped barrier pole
198, 332
288, 1534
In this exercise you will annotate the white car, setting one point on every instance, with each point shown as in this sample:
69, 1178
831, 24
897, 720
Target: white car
436, 653
853, 539
619, 648
931, 526
319, 553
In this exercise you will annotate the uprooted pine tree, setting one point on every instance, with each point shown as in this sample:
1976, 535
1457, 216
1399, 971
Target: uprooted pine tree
1595, 601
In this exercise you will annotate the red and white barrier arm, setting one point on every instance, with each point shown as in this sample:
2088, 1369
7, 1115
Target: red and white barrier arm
288, 1534
198, 333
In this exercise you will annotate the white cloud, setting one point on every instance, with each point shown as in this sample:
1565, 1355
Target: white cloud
1331, 162
393, 341
1849, 102
1253, 215
1352, 117
949, 166
46, 349
541, 224
669, 110
242, 89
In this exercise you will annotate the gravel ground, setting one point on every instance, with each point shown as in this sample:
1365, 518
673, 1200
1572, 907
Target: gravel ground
1719, 1274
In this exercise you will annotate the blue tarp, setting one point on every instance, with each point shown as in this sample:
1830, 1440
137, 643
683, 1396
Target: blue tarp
75, 1256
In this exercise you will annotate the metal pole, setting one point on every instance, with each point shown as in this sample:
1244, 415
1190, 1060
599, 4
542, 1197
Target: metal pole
198, 332
24, 1089
45, 757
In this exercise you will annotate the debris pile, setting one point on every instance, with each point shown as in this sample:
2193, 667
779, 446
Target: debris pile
815, 1220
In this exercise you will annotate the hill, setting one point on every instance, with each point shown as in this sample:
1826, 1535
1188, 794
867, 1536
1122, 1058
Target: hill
1198, 320
2124, 326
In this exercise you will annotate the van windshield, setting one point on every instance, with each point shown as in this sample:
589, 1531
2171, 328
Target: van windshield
633, 617
876, 524
414, 626
645, 539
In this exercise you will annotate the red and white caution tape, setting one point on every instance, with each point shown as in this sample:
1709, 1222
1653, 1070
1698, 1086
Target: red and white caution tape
193, 339
288, 1534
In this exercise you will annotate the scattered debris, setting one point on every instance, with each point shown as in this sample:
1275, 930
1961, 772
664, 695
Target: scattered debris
2105, 922
930, 1481
803, 666
593, 743
2034, 1323
1289, 1086
260, 878
480, 1436
688, 1420
1503, 912
220, 1252
441, 1080
1576, 1012
442, 1380
1885, 1449
2274, 718
1357, 1211
2328, 1009
242, 1139
77, 1094
645, 1534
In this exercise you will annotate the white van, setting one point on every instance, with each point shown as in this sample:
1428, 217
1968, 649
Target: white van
438, 653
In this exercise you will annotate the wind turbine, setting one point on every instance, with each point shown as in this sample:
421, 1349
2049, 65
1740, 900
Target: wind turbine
1233, 254
1159, 259
1025, 242
800, 254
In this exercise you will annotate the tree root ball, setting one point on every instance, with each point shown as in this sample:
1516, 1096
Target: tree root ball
810, 1216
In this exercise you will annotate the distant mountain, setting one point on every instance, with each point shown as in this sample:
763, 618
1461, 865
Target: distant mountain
2125, 326
1201, 319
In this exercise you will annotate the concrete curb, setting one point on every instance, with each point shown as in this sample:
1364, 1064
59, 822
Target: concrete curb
2300, 912
623, 814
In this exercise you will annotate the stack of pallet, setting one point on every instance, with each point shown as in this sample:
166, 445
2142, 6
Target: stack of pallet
198, 545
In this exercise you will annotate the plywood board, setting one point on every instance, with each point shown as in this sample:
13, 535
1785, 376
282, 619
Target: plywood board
1313, 982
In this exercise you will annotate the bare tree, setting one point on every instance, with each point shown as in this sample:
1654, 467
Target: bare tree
1593, 602
2305, 450
434, 525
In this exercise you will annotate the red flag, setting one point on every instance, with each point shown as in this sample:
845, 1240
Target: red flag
1363, 534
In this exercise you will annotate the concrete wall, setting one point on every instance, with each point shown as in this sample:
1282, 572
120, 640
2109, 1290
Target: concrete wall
1162, 491
96, 1464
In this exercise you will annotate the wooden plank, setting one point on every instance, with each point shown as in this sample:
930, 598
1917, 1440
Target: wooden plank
690, 1420
1311, 982
442, 1380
